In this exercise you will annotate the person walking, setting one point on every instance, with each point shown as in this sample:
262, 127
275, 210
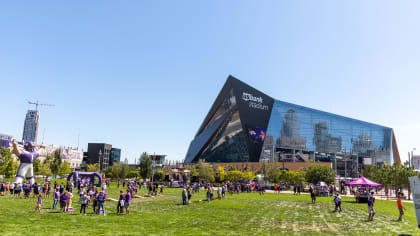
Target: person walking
371, 202
337, 201
83, 201
401, 208
120, 205
127, 201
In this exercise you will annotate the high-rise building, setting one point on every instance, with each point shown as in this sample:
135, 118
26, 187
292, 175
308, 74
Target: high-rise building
114, 156
244, 124
30, 129
99, 153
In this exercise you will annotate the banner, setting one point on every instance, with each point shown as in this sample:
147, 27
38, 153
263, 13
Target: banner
415, 190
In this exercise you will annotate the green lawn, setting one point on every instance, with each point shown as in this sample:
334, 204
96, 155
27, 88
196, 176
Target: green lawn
239, 214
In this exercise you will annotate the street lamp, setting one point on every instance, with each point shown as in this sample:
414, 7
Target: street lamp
100, 160
410, 160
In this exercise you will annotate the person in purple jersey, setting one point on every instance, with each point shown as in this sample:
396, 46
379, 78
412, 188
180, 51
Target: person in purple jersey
127, 202
27, 158
101, 199
371, 202
38, 205
120, 206
63, 201
56, 198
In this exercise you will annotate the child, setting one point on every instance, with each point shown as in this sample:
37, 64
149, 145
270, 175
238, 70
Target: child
401, 208
371, 202
38, 205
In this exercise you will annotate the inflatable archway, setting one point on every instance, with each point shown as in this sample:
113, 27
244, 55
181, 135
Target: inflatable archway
85, 177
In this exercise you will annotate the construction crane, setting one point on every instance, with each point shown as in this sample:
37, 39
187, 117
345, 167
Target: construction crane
39, 104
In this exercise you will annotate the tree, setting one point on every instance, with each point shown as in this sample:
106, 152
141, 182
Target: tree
64, 169
316, 173
372, 172
116, 170
145, 166
133, 174
205, 171
56, 162
234, 175
264, 168
194, 172
221, 173
160, 175
271, 172
5, 155
8, 166
92, 167
48, 159
44, 169
37, 166
124, 169
108, 172
248, 175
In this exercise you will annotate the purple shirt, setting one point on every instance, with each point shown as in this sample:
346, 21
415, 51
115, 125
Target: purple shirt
63, 198
370, 202
121, 196
39, 200
56, 194
28, 157
100, 197
128, 197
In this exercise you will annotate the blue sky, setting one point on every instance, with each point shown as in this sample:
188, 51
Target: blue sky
142, 75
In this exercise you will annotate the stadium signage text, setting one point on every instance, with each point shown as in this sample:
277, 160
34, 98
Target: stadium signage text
254, 102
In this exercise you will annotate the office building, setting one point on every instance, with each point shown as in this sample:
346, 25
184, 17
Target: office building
114, 156
30, 129
99, 153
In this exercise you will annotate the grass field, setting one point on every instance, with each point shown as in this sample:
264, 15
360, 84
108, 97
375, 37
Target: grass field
239, 214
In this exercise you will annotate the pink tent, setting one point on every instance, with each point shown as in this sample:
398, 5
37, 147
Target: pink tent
363, 182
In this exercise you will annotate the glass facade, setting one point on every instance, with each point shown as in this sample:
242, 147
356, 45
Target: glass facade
298, 128
30, 129
114, 156
246, 125
229, 143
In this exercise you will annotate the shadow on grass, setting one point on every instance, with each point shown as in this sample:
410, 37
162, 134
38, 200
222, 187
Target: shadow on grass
353, 202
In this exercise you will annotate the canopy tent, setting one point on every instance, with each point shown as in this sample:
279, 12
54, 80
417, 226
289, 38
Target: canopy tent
363, 182
321, 184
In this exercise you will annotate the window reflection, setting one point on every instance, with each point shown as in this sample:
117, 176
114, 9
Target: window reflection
301, 129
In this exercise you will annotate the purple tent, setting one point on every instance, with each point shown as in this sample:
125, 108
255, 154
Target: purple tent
363, 182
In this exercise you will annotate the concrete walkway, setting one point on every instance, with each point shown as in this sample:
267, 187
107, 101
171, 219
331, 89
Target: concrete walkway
379, 195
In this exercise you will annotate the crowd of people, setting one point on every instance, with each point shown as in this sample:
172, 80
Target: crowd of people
220, 190
91, 195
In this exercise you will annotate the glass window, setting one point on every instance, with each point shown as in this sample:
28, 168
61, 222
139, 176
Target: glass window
300, 128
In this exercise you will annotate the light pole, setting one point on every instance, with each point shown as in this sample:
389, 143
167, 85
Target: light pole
410, 160
100, 160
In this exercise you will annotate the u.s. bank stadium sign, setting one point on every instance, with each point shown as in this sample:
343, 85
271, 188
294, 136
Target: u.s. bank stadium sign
254, 102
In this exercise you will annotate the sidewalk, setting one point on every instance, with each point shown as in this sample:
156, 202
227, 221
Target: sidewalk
380, 195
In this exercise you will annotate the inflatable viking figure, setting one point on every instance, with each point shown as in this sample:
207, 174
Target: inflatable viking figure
27, 158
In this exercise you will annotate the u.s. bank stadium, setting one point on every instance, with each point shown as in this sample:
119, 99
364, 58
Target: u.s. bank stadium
245, 125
